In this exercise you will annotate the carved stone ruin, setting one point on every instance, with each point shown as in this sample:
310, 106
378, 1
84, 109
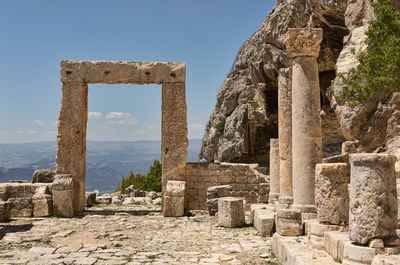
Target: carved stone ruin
285, 135
274, 170
304, 46
71, 138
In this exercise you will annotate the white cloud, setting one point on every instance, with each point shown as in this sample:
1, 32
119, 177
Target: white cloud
123, 122
26, 132
94, 115
39, 122
140, 131
117, 115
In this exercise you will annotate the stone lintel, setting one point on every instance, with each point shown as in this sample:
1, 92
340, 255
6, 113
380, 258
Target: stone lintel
303, 42
117, 72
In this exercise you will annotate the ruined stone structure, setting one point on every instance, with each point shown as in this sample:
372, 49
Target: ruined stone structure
71, 138
303, 45
274, 169
285, 135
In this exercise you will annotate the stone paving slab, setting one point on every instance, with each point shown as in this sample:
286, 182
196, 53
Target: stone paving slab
130, 234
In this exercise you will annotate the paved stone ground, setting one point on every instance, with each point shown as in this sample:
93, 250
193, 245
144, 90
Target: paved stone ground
130, 235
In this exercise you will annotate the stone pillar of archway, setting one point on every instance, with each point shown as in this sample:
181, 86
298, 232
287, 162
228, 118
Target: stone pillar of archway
71, 138
174, 132
304, 46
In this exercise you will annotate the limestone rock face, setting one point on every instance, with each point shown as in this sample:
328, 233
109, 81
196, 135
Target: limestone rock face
246, 108
4, 212
246, 112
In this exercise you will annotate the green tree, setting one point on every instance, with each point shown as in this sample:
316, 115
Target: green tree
149, 182
379, 67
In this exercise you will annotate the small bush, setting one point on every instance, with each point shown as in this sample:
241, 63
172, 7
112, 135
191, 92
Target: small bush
220, 127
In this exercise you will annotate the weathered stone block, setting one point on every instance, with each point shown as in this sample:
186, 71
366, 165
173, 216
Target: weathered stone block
174, 206
175, 188
42, 202
104, 199
90, 198
373, 197
62, 195
254, 207
334, 243
288, 222
43, 176
337, 159
219, 191
212, 206
20, 207
4, 212
230, 212
386, 260
263, 192
331, 193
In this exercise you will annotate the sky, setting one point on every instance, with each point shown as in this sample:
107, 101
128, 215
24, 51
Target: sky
37, 35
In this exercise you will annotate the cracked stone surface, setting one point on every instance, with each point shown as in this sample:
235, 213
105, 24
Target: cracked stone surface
129, 234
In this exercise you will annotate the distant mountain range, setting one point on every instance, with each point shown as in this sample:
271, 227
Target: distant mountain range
106, 162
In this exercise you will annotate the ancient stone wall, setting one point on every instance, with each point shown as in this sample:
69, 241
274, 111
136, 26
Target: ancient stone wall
243, 178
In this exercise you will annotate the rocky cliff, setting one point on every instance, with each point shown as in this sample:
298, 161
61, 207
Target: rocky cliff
245, 115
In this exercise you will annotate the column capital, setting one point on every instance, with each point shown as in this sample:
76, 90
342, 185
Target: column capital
303, 42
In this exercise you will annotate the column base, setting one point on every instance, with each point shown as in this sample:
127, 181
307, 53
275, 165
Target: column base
284, 202
273, 197
308, 212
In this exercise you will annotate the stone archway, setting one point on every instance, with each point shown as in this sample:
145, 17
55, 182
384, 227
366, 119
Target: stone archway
72, 121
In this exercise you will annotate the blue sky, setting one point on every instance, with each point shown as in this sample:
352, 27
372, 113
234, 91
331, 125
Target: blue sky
37, 35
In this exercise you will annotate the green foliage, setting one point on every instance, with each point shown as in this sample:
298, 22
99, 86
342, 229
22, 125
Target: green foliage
338, 260
379, 66
149, 182
250, 97
220, 127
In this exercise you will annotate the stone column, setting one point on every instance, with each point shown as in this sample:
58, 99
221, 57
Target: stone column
71, 138
274, 170
304, 45
174, 132
285, 135
373, 197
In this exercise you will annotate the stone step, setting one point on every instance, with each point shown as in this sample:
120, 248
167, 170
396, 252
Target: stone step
294, 251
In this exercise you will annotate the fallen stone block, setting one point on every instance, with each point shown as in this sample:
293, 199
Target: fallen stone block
288, 222
212, 206
254, 207
20, 207
231, 212
90, 198
42, 202
103, 199
216, 192
43, 176
116, 200
62, 195
264, 222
